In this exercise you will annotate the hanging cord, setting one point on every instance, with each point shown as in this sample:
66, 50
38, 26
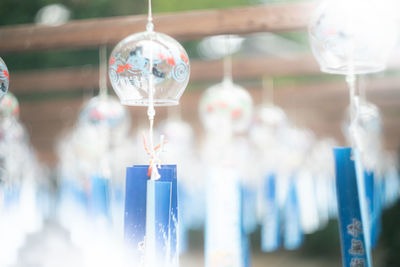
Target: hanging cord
351, 80
227, 82
103, 72
354, 113
227, 62
150, 25
103, 94
155, 162
354, 130
268, 90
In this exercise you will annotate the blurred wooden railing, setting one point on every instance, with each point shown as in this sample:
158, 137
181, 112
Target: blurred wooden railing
183, 26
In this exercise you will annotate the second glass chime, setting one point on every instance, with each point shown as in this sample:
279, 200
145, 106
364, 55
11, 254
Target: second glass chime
150, 69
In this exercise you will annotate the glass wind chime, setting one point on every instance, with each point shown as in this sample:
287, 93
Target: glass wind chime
150, 69
352, 37
4, 78
104, 117
226, 111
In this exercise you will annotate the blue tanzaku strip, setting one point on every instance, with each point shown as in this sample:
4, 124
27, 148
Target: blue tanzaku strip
293, 234
270, 231
100, 197
249, 208
135, 210
184, 205
169, 174
370, 190
11, 195
378, 206
158, 222
246, 246
355, 250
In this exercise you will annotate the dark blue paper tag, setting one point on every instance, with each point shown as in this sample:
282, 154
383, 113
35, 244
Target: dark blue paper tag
353, 242
135, 209
293, 234
270, 231
100, 197
158, 223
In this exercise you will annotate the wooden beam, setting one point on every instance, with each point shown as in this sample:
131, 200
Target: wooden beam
87, 77
183, 26
249, 68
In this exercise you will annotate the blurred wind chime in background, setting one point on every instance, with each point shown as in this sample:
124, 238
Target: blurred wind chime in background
91, 188
150, 69
181, 150
4, 78
278, 196
356, 37
226, 112
293, 171
21, 212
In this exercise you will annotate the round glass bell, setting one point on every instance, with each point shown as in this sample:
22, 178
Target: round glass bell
4, 78
352, 36
99, 110
268, 123
131, 76
9, 107
106, 112
226, 105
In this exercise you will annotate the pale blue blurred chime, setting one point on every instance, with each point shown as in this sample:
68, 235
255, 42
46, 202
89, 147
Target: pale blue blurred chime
347, 38
150, 69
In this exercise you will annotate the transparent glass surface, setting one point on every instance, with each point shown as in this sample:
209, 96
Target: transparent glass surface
9, 106
226, 105
105, 114
4, 78
130, 74
268, 123
103, 110
352, 32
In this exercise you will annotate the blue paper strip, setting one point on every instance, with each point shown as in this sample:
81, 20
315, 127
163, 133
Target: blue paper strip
246, 246
270, 231
135, 209
223, 232
293, 235
158, 222
169, 174
249, 208
11, 196
355, 249
184, 207
369, 178
99, 197
71, 192
379, 187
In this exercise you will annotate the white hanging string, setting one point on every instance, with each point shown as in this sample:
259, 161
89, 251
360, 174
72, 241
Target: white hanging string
268, 90
151, 112
105, 160
227, 62
103, 72
357, 148
150, 25
351, 82
362, 87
